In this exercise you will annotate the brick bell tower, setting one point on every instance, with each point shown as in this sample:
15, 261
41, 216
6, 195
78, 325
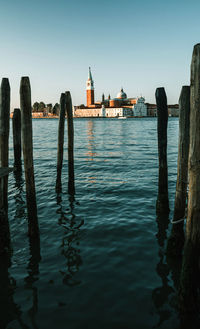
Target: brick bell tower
90, 89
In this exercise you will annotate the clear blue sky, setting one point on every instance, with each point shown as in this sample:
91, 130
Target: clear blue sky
138, 45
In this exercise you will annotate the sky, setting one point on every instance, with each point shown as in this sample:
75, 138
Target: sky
135, 44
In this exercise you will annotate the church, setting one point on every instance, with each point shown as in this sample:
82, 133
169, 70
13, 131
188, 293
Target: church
121, 106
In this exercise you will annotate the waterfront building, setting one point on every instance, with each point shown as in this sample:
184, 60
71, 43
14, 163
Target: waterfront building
119, 106
140, 108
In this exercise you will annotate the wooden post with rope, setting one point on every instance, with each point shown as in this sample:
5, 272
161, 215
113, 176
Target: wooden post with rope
189, 283
176, 239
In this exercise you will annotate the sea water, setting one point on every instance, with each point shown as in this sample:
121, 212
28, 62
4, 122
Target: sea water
101, 259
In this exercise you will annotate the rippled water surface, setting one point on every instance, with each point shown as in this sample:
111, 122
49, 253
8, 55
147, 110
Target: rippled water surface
101, 260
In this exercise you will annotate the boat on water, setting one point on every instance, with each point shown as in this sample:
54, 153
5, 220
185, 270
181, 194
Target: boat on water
122, 117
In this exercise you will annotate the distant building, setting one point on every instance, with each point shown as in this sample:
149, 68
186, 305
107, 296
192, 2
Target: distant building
90, 89
120, 106
140, 108
111, 107
173, 110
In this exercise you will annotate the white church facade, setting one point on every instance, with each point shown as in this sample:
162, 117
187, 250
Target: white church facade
140, 108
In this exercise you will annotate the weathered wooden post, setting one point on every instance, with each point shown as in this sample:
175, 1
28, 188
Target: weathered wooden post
191, 259
71, 186
27, 142
162, 204
4, 135
176, 239
4, 225
4, 170
16, 121
61, 128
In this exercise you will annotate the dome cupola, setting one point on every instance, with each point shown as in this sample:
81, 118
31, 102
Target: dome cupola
121, 94
141, 100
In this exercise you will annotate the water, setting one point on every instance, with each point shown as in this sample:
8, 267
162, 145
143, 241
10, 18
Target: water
101, 260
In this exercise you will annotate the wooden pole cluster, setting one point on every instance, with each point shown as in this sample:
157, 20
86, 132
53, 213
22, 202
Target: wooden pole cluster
190, 269
162, 204
66, 107
70, 125
176, 239
27, 142
17, 137
61, 128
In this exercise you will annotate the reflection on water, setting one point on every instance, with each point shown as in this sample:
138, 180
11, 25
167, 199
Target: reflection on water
32, 278
161, 294
10, 311
168, 269
100, 274
70, 242
91, 153
19, 201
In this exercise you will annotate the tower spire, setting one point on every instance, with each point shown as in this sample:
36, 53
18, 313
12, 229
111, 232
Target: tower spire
89, 74
90, 89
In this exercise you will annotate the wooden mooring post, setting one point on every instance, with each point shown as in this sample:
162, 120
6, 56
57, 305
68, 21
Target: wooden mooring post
162, 204
70, 125
176, 240
189, 283
61, 129
27, 142
4, 224
4, 135
4, 170
16, 121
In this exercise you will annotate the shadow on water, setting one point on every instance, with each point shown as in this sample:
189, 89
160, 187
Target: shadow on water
32, 278
10, 311
70, 241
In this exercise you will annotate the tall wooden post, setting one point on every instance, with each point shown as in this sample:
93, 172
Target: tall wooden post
162, 204
17, 137
27, 142
71, 186
176, 239
4, 225
61, 129
4, 171
190, 269
4, 134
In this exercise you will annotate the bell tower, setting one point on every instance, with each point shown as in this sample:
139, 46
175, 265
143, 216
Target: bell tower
90, 89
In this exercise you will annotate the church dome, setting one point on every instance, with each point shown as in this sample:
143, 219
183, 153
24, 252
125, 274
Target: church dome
121, 94
141, 100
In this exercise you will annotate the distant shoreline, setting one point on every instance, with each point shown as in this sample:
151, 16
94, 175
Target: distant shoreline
93, 117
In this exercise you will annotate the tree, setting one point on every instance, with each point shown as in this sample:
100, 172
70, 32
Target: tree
35, 107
